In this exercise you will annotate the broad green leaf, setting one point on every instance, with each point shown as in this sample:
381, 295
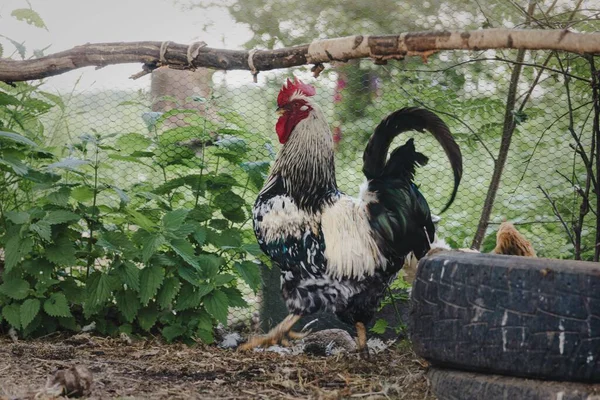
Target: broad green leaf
234, 296
16, 248
68, 163
217, 304
223, 279
200, 235
220, 224
11, 160
129, 274
59, 197
43, 229
122, 195
128, 303
16, 289
116, 241
184, 230
221, 182
380, 326
62, 252
74, 292
82, 193
167, 292
6, 99
57, 306
191, 296
205, 335
50, 324
141, 220
163, 260
257, 172
60, 217
201, 213
147, 317
132, 142
172, 220
12, 313
228, 201
179, 112
185, 250
233, 144
151, 244
252, 248
29, 309
170, 185
250, 273
98, 287
235, 215
226, 239
209, 265
189, 274
150, 280
17, 217
204, 319
69, 323
172, 331
38, 268
29, 16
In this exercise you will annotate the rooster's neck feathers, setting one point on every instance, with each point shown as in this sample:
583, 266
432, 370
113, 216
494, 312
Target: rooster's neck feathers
306, 162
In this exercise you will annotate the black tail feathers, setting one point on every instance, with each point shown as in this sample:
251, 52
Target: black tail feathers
403, 160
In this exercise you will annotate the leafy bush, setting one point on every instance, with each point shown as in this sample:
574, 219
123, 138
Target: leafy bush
168, 257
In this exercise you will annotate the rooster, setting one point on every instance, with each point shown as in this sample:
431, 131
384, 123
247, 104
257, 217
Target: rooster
338, 253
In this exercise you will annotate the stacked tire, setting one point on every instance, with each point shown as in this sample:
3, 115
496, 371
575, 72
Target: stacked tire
507, 327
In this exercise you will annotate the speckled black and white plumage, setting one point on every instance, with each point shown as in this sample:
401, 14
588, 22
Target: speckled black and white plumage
335, 252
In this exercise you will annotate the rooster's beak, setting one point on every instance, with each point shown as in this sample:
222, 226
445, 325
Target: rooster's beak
280, 111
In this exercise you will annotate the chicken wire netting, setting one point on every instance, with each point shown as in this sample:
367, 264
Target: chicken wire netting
203, 140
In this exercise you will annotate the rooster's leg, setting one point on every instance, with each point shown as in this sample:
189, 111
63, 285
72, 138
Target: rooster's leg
275, 335
361, 332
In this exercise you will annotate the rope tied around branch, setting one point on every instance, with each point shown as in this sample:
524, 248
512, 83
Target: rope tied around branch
192, 52
163, 52
253, 69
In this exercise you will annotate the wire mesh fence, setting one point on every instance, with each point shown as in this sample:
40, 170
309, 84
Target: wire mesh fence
203, 140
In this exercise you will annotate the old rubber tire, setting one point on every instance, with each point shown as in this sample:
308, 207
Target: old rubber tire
518, 316
457, 385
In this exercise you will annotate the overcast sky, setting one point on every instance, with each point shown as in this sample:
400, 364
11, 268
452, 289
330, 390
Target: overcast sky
75, 22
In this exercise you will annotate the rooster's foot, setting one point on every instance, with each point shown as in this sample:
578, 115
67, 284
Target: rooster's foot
277, 335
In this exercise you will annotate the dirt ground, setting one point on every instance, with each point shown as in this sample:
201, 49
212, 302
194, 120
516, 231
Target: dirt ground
148, 369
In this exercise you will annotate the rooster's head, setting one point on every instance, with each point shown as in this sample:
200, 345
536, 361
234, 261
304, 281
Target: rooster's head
293, 106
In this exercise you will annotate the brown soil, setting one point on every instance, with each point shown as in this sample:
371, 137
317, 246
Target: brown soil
151, 370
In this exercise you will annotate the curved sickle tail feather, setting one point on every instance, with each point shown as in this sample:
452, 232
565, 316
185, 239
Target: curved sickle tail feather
407, 119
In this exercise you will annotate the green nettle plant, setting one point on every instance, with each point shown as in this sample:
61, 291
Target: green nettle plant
79, 247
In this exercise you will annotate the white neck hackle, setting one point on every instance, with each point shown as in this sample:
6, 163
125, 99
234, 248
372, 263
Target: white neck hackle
306, 160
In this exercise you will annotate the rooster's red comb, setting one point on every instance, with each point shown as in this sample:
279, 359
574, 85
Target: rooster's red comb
289, 88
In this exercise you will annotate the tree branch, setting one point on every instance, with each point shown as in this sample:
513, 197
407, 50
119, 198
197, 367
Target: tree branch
596, 136
557, 213
508, 127
379, 48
